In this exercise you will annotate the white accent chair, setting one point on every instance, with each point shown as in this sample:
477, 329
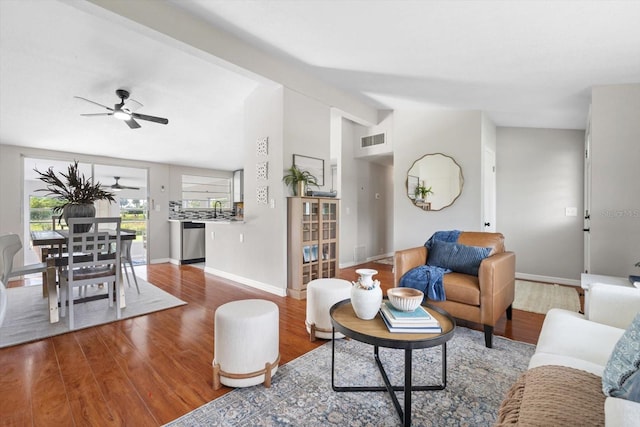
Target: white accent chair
94, 258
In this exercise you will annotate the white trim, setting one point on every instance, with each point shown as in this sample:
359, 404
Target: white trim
160, 261
281, 292
548, 279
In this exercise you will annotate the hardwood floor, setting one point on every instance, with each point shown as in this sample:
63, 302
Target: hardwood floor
151, 369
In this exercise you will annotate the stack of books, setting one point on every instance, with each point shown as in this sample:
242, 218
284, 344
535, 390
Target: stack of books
418, 321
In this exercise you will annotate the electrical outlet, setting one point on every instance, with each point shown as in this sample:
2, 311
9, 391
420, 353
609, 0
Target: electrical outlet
241, 237
213, 235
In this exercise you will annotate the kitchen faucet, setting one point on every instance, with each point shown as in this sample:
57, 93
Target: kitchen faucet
216, 203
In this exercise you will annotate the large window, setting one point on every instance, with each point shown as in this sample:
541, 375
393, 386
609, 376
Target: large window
204, 191
41, 213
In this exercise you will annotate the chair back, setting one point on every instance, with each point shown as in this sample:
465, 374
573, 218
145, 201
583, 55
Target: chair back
10, 245
94, 253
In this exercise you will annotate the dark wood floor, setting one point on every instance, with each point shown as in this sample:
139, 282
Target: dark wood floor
151, 369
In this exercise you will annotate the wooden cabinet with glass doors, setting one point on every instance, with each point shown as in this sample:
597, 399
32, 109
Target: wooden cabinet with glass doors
312, 246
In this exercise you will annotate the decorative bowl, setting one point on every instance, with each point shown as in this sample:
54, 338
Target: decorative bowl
405, 299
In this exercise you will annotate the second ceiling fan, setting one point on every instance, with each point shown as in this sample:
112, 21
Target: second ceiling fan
118, 187
125, 110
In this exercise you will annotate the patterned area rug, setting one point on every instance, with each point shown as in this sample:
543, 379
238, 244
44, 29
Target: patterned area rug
301, 394
542, 297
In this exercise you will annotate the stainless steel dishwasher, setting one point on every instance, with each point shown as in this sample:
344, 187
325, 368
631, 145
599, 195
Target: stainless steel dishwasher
193, 235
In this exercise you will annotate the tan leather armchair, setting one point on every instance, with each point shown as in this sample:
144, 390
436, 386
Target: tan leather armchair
481, 299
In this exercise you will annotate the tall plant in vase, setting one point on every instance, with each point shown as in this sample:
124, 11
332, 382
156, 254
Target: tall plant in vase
76, 192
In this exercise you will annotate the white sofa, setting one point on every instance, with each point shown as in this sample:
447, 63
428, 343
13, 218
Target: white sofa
586, 342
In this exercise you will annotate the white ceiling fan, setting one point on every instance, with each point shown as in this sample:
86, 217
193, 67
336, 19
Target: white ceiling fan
125, 110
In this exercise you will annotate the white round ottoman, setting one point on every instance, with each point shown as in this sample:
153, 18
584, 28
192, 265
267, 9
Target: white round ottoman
321, 295
246, 343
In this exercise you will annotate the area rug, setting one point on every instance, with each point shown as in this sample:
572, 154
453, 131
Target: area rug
27, 316
542, 297
385, 261
301, 394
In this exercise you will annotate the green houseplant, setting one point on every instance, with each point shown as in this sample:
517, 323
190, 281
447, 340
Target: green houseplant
298, 179
422, 191
76, 192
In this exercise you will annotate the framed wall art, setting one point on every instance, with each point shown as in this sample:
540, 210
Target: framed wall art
311, 164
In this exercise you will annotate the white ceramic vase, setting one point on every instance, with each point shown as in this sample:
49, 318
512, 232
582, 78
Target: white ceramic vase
366, 295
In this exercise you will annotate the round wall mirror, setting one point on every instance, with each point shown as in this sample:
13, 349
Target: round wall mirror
434, 182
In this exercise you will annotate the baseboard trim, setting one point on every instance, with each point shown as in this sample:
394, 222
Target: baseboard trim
548, 279
160, 261
248, 282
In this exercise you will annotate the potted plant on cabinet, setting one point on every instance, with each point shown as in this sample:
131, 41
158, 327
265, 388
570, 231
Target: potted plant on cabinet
298, 180
76, 192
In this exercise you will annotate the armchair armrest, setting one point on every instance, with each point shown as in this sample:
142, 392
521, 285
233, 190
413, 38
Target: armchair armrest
407, 259
496, 278
613, 305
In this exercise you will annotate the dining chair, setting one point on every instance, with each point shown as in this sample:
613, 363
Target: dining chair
10, 245
125, 258
94, 258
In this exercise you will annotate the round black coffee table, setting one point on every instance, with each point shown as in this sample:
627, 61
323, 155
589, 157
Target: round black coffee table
375, 332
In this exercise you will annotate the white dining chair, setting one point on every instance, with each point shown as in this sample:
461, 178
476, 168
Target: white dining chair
94, 258
10, 245
125, 258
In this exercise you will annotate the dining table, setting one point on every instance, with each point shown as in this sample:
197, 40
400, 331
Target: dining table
52, 244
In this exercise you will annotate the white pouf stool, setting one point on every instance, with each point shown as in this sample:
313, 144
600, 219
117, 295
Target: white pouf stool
321, 295
246, 343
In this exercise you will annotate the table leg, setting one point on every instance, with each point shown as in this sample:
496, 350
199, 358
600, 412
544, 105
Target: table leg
407, 388
52, 290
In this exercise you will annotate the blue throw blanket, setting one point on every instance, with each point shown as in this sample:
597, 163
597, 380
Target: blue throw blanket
428, 278
450, 236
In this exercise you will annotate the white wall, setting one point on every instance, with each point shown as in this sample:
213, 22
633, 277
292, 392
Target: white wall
258, 260
539, 174
457, 134
615, 195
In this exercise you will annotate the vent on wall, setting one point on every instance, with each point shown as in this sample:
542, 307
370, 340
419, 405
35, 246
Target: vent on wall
368, 141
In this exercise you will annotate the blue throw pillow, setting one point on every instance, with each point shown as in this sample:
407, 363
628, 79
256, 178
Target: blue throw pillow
621, 376
456, 257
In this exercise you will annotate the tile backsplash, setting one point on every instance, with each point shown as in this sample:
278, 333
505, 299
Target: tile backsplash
176, 211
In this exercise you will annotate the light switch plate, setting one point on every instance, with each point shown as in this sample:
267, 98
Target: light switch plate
571, 211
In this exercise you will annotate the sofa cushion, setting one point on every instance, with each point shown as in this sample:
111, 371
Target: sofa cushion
621, 376
553, 396
569, 336
457, 257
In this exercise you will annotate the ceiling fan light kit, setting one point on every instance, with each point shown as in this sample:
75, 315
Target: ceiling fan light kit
125, 110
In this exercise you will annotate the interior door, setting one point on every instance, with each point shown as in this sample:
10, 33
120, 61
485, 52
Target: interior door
587, 199
489, 191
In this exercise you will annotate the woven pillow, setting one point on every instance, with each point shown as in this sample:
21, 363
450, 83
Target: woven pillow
621, 376
457, 257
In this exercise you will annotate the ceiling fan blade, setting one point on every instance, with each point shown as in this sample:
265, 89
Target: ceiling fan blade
131, 105
93, 102
97, 114
150, 118
130, 188
132, 123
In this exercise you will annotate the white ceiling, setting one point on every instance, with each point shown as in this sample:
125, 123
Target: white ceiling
525, 63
